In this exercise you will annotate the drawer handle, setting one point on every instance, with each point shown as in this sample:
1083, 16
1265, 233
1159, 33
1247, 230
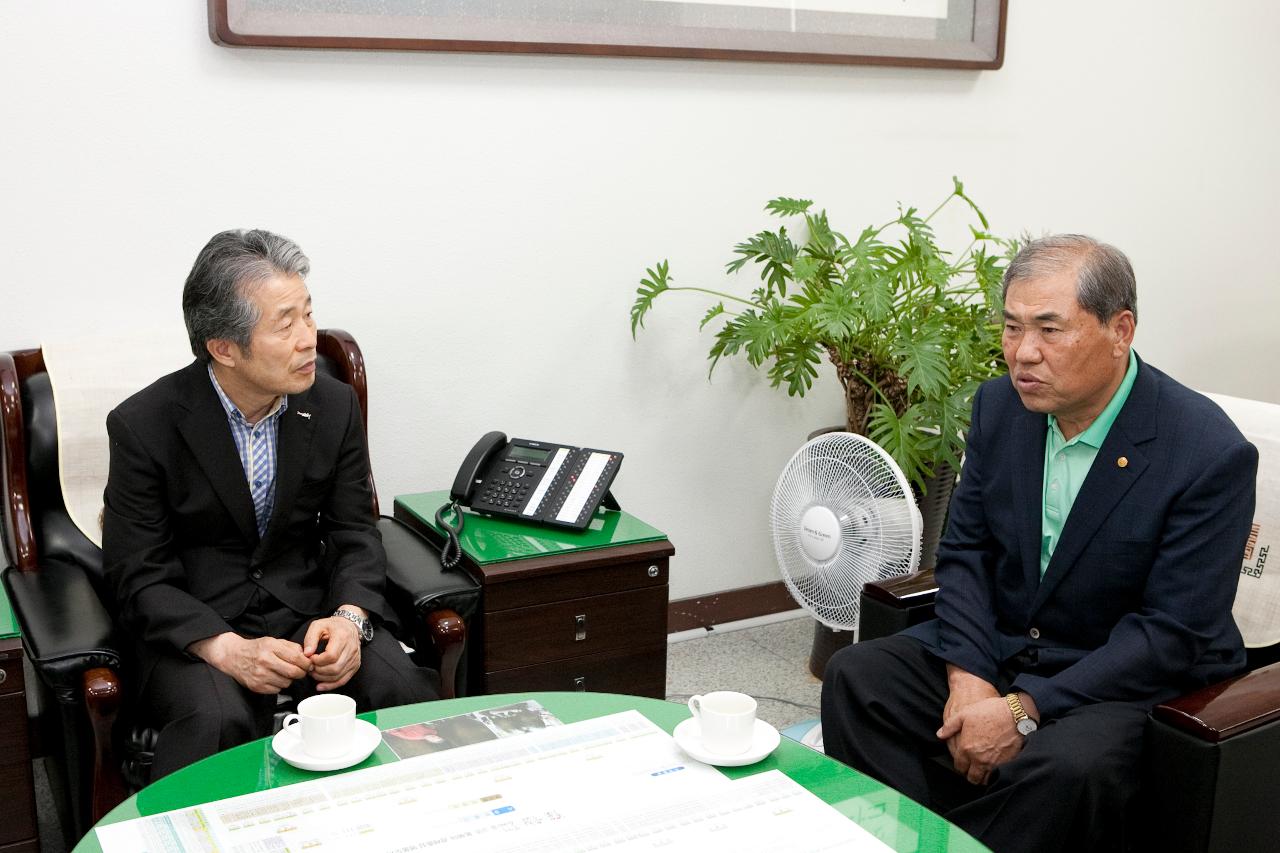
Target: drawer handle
580, 683
653, 571
580, 628
3, 676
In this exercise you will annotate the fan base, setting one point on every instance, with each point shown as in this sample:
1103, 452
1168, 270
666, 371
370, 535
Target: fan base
826, 642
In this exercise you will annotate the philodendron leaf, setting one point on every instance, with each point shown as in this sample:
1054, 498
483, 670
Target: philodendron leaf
797, 365
715, 311
805, 268
924, 362
837, 314
959, 191
901, 439
649, 288
783, 206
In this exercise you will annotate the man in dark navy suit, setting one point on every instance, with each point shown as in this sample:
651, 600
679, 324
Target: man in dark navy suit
238, 532
1087, 573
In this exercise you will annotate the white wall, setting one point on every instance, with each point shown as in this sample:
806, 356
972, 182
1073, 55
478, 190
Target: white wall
480, 222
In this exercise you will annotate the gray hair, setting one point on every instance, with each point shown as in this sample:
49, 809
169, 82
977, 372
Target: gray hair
216, 298
1105, 284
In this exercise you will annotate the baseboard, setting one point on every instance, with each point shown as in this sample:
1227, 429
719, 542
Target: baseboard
728, 606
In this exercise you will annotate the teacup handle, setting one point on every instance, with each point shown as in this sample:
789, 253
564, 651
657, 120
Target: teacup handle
289, 721
695, 706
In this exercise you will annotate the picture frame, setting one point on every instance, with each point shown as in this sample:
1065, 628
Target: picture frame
965, 34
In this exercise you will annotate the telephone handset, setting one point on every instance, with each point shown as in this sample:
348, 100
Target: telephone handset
534, 481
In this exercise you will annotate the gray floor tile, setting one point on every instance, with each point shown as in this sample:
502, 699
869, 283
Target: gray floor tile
769, 663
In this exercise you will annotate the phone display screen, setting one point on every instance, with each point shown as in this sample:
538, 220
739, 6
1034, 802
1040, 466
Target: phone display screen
519, 453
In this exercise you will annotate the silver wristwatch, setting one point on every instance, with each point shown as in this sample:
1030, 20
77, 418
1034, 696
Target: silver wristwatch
365, 626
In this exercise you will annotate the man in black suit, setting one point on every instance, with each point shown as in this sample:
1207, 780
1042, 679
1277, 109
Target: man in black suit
1088, 571
238, 531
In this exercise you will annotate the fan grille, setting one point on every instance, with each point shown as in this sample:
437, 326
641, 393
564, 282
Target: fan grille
865, 503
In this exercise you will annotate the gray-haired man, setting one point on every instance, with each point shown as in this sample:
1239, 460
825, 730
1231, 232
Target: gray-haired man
1090, 563
238, 532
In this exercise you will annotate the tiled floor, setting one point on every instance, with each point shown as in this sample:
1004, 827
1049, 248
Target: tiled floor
770, 662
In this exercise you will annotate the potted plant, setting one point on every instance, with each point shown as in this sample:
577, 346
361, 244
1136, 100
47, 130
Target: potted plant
911, 328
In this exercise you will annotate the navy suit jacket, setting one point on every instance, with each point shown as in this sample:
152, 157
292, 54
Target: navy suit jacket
180, 541
1135, 605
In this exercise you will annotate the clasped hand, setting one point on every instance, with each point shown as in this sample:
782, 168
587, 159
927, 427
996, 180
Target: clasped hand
978, 727
269, 665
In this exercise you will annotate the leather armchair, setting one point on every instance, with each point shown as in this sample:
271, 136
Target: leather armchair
1212, 757
55, 581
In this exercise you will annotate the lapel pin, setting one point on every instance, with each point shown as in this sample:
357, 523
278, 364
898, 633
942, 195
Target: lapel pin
306, 415
1123, 461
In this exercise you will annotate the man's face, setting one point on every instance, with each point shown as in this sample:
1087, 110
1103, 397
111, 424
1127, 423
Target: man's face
1063, 360
282, 352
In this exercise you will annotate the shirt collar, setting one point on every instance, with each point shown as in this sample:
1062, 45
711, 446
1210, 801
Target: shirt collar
282, 402
1097, 431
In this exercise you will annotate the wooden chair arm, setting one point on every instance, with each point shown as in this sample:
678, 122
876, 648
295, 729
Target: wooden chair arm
1226, 709
102, 697
913, 590
449, 636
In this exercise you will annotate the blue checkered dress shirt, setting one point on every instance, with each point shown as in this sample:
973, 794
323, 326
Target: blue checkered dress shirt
256, 444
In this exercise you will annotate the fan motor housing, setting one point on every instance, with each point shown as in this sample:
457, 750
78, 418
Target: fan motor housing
819, 533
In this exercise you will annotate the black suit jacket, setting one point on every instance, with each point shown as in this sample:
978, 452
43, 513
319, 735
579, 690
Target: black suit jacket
180, 543
1135, 605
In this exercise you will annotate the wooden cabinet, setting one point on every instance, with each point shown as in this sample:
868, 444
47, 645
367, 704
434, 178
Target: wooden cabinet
18, 828
592, 619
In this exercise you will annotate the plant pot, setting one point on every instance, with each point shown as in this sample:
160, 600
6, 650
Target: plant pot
933, 513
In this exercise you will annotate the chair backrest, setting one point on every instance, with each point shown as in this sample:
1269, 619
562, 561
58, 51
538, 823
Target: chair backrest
36, 524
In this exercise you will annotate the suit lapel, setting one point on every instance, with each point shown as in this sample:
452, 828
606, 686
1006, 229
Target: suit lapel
293, 443
204, 428
1107, 482
1028, 489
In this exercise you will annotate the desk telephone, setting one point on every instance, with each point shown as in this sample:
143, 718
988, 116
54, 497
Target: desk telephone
533, 481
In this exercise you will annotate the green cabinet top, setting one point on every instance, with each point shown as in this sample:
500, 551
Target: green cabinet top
8, 624
490, 539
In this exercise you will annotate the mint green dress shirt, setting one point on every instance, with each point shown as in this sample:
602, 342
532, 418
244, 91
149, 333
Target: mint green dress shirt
1067, 463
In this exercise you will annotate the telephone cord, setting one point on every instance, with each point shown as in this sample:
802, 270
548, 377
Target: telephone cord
451, 553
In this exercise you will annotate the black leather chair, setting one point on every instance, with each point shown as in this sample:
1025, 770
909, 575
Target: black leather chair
55, 581
1212, 757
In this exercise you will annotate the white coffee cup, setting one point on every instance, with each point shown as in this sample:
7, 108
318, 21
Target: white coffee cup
327, 724
727, 720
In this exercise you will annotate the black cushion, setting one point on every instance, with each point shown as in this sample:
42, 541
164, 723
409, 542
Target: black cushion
66, 630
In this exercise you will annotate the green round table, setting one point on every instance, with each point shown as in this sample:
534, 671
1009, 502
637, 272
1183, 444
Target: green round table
901, 823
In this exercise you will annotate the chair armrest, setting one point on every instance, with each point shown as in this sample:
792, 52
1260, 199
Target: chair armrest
914, 590
415, 576
65, 628
1226, 709
438, 599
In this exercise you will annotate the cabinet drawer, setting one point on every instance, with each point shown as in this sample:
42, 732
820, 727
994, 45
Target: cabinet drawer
546, 587
572, 629
15, 771
10, 671
642, 672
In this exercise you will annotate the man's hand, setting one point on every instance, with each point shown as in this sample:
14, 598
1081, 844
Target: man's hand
340, 659
966, 689
265, 665
981, 737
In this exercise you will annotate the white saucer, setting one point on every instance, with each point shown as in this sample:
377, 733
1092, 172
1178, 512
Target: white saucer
288, 745
764, 740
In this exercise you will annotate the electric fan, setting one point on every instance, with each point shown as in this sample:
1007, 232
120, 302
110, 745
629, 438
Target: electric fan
842, 515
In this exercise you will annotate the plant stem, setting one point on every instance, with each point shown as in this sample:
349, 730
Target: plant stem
718, 293
945, 202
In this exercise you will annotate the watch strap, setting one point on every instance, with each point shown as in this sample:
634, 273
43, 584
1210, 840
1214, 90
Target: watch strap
1021, 719
364, 625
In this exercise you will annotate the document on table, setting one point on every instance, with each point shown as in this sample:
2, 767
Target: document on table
617, 781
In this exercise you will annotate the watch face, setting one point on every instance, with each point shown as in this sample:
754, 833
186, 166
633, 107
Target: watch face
1027, 726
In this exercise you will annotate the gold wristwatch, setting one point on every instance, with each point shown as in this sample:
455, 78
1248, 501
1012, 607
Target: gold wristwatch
1025, 724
